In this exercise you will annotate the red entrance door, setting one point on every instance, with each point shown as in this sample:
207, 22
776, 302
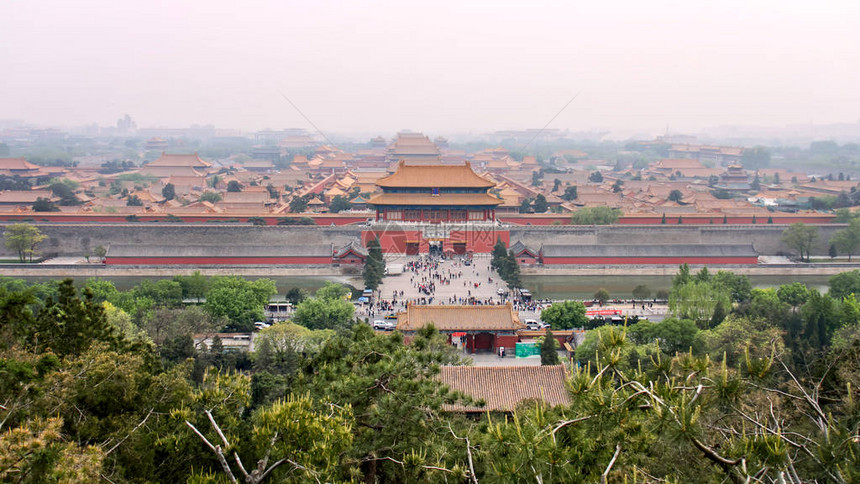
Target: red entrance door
483, 341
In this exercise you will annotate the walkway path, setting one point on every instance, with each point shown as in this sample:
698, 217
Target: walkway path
428, 280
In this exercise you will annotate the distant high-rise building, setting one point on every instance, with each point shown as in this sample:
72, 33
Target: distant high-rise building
125, 124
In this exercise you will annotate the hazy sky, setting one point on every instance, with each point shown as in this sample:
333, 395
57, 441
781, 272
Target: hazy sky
438, 67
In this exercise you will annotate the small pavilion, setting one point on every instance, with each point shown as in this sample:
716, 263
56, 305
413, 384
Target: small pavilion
484, 328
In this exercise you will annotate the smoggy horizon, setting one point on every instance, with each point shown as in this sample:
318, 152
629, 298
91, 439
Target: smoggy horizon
440, 67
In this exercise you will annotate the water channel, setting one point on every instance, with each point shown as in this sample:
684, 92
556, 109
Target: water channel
551, 287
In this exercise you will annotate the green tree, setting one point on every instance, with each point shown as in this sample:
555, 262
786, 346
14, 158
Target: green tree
69, 324
23, 239
595, 216
277, 351
37, 452
134, 201
565, 315
102, 289
296, 295
374, 265
239, 300
682, 277
168, 192
800, 237
164, 292
672, 335
847, 240
595, 177
570, 193
211, 197
100, 252
844, 284
738, 284
65, 192
298, 204
698, 301
193, 286
328, 309
339, 204
44, 205
601, 296
395, 398
526, 205
821, 318
555, 185
234, 186
794, 294
549, 350
540, 205
676, 195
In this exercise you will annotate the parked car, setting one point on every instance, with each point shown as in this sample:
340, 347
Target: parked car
535, 325
382, 325
258, 325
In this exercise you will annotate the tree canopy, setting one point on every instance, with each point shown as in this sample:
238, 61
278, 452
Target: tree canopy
23, 239
800, 237
595, 216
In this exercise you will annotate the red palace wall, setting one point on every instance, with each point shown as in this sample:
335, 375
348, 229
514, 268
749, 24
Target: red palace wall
477, 241
692, 219
508, 341
215, 260
650, 260
349, 219
320, 219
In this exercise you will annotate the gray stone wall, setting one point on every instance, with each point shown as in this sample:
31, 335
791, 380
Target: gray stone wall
765, 238
78, 239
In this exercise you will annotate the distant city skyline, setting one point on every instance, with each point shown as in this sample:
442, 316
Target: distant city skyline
441, 67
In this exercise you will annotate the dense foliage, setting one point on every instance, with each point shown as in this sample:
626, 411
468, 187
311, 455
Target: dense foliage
98, 384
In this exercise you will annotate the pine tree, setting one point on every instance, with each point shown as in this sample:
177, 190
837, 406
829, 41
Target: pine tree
374, 265
549, 350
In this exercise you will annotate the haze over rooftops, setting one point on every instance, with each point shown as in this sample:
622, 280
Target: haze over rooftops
192, 160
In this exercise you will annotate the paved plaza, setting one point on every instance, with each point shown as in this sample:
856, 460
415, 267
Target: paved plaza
437, 281
453, 282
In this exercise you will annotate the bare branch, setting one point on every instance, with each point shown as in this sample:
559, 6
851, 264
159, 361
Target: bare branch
565, 423
217, 451
202, 437
132, 431
472, 475
605, 475
217, 428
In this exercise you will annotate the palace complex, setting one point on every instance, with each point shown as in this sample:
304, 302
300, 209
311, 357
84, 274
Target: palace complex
415, 196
